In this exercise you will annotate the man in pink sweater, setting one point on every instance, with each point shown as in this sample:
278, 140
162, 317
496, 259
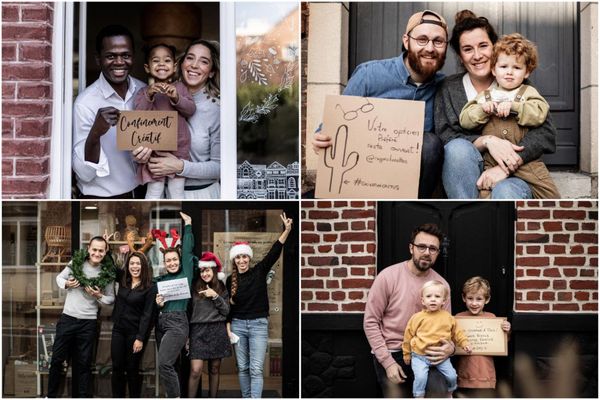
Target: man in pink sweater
393, 299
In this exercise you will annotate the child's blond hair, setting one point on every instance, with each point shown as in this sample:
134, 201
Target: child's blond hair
476, 284
516, 45
434, 283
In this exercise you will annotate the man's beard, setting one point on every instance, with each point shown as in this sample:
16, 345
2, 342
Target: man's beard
425, 71
418, 264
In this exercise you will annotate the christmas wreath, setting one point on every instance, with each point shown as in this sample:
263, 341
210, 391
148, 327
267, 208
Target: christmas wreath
108, 273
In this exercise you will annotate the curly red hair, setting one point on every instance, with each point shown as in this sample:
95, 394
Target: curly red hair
517, 45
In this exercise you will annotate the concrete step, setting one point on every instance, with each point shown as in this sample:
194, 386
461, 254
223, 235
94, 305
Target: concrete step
576, 185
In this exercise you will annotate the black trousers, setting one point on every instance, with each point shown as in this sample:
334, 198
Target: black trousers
126, 364
80, 334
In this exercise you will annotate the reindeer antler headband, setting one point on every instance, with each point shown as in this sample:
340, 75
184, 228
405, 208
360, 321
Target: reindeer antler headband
162, 238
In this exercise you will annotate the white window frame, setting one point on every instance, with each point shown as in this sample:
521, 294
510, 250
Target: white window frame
62, 105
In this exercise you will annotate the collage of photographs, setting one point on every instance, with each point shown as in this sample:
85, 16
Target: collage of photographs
287, 199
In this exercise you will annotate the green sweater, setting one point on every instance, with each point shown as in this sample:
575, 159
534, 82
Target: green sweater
186, 270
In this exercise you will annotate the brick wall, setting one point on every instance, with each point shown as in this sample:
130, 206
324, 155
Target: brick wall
338, 255
556, 256
305, 12
26, 98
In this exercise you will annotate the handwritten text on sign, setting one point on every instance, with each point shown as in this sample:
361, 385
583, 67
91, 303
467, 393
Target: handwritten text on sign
174, 289
486, 337
153, 129
376, 151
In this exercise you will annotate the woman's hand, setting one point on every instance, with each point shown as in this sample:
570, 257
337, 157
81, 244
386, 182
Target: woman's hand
320, 141
160, 300
137, 346
287, 222
164, 163
187, 220
490, 178
504, 152
208, 293
141, 155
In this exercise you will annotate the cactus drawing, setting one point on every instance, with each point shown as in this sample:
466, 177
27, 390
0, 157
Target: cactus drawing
336, 159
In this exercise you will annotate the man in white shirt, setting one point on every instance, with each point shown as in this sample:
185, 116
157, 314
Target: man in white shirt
103, 171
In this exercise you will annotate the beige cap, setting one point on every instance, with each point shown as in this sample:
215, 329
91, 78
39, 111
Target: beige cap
419, 18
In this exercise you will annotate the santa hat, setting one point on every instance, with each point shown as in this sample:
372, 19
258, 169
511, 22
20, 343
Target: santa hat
240, 248
210, 260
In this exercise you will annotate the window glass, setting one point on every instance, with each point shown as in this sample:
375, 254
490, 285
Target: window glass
267, 46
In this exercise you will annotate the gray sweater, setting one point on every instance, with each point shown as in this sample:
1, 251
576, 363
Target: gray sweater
449, 102
78, 303
207, 310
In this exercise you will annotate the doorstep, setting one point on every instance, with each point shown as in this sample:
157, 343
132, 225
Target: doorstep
576, 185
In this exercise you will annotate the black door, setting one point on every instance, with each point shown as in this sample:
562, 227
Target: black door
376, 31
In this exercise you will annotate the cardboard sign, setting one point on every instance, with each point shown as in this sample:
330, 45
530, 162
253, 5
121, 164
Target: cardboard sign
156, 130
486, 337
174, 289
376, 151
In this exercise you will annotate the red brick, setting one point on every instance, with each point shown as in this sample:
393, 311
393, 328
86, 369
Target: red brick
323, 272
322, 295
568, 214
593, 262
338, 296
306, 295
307, 272
340, 248
357, 237
358, 225
371, 248
7, 128
330, 237
9, 52
333, 284
565, 296
35, 52
548, 203
554, 249
353, 214
587, 272
533, 284
353, 307
28, 110
323, 260
532, 307
576, 249
357, 271
371, 271
590, 307
7, 168
533, 272
565, 307
594, 295
593, 250
322, 307
552, 272
25, 148
582, 296
518, 296
38, 13
577, 261
340, 226
533, 249
312, 283
559, 284
591, 284
533, 226
588, 226
533, 214
548, 296
533, 261
26, 72
8, 90
307, 226
308, 250
356, 283
569, 272
326, 204
587, 204
323, 227
371, 225
357, 248
340, 272
571, 226
33, 185
359, 260
10, 13
357, 204
565, 204
324, 249
310, 238
30, 167
533, 295
302, 307
33, 128
520, 226
532, 238
553, 226
318, 214
560, 238
356, 295
586, 238
520, 272
339, 204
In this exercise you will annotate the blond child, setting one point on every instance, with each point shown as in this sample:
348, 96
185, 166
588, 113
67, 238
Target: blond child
508, 108
477, 373
428, 328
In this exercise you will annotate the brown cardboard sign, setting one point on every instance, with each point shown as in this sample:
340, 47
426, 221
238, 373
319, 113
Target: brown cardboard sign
156, 130
486, 336
376, 151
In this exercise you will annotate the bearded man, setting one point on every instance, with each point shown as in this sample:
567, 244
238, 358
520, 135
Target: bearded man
411, 76
393, 298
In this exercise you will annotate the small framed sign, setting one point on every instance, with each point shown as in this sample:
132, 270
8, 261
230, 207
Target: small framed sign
156, 130
486, 336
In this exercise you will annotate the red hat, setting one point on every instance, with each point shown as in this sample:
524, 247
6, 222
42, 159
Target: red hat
210, 260
240, 248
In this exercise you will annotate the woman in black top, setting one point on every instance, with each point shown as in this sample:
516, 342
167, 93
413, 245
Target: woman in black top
132, 316
250, 309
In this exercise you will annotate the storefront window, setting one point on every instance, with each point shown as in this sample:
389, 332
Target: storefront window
267, 46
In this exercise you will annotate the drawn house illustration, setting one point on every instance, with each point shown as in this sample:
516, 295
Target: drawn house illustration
268, 182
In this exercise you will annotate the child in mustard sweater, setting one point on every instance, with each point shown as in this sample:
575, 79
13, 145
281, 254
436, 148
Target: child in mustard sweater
428, 328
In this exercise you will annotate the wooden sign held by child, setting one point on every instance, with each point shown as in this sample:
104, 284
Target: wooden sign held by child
376, 150
485, 336
156, 130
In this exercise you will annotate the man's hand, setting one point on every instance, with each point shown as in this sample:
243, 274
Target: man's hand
437, 354
320, 141
490, 178
105, 118
137, 346
395, 374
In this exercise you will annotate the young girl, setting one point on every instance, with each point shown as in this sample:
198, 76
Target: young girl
132, 317
208, 329
477, 374
250, 309
163, 95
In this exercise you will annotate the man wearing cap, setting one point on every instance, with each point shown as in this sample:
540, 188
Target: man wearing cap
410, 76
